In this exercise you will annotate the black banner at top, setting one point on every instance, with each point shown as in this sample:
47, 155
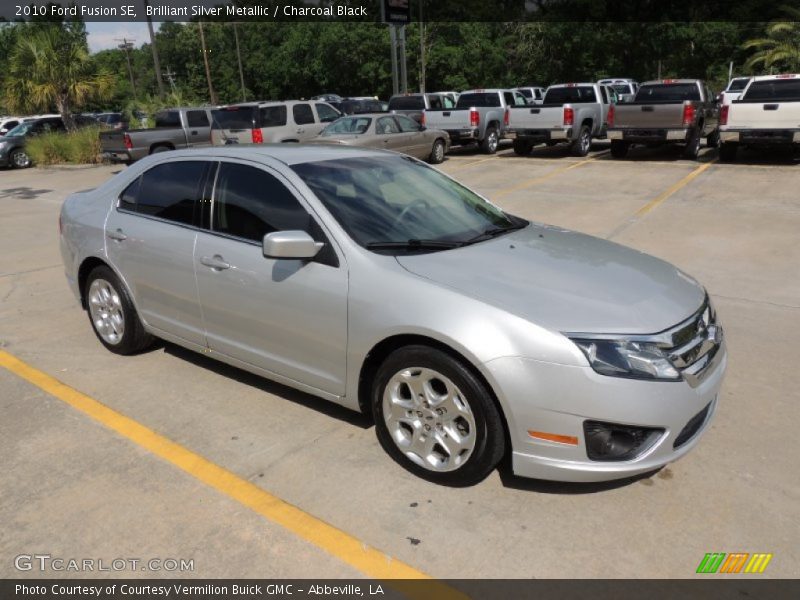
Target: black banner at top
397, 11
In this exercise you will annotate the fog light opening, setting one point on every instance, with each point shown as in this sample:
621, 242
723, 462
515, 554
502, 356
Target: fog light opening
612, 442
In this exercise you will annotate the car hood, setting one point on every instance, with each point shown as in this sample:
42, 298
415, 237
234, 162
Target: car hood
12, 138
566, 281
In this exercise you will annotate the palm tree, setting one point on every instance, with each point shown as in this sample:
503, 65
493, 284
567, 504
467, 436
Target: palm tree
781, 47
50, 66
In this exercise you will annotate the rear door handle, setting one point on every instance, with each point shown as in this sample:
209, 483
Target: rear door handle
770, 107
215, 262
116, 235
194, 133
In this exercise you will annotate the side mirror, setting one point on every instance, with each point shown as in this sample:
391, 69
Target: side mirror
290, 244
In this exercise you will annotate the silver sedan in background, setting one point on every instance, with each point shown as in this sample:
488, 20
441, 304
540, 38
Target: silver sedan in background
383, 131
377, 282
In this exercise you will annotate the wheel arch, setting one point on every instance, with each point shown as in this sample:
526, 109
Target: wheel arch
166, 145
86, 267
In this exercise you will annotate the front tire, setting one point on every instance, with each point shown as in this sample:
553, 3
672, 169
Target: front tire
112, 314
437, 153
491, 141
19, 159
583, 143
435, 418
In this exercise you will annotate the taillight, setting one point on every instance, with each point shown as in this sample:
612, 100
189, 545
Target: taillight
127, 139
257, 136
688, 114
422, 119
474, 118
569, 116
505, 117
723, 114
610, 117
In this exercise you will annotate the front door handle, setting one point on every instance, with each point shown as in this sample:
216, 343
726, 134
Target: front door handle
215, 262
116, 235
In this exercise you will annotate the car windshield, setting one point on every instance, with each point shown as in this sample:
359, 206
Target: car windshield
386, 200
21, 129
348, 125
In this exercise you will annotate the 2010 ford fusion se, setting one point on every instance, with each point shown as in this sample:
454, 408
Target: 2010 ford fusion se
375, 281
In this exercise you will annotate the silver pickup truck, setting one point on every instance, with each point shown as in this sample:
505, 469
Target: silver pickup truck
174, 128
668, 111
571, 113
768, 114
479, 116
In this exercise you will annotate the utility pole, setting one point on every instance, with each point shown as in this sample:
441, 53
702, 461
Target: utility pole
211, 94
393, 44
126, 47
239, 60
421, 50
401, 42
156, 62
170, 75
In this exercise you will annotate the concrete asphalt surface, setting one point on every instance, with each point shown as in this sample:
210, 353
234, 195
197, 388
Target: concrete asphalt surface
310, 482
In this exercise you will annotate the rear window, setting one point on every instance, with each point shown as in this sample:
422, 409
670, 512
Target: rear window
773, 89
407, 103
668, 92
480, 99
169, 118
235, 117
622, 88
575, 94
273, 116
356, 125
737, 85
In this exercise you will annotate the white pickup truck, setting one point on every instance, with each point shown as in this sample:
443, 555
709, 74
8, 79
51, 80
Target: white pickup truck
571, 113
767, 114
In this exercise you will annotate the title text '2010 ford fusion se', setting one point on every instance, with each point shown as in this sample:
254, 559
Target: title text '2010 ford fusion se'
375, 281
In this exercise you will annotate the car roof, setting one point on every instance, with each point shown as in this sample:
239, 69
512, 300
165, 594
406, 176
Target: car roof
775, 77
667, 81
288, 154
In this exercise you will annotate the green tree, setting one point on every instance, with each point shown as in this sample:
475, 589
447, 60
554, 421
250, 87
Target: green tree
781, 46
50, 67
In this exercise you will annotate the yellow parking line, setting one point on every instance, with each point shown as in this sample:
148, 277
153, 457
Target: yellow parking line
336, 542
529, 182
469, 164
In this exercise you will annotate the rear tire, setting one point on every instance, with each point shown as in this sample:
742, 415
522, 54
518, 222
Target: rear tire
619, 148
112, 314
522, 147
692, 149
712, 141
728, 151
583, 143
491, 141
435, 418
437, 153
159, 149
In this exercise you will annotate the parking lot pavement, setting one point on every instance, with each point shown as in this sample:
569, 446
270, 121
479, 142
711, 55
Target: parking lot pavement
732, 226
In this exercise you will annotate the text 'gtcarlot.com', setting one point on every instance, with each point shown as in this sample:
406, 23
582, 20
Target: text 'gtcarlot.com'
46, 562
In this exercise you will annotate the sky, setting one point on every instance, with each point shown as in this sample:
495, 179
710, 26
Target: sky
104, 35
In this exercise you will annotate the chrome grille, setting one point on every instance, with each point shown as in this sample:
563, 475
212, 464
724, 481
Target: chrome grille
693, 344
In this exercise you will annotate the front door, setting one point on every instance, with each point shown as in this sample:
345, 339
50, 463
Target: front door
288, 317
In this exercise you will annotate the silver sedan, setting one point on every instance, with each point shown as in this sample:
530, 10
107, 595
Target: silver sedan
375, 281
383, 131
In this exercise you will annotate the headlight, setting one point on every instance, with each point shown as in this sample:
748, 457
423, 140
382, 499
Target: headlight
627, 358
3, 145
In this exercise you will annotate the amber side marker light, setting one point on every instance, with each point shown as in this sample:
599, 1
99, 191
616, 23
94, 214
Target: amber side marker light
554, 437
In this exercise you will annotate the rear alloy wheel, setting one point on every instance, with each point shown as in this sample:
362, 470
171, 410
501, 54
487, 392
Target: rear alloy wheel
435, 418
692, 150
619, 148
437, 153
491, 141
522, 147
582, 145
20, 159
728, 151
112, 314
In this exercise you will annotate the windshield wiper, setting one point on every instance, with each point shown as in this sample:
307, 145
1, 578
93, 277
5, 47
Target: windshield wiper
492, 232
413, 244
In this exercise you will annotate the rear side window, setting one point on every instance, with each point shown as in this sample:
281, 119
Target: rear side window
774, 89
435, 102
668, 92
238, 117
326, 113
406, 103
197, 118
272, 116
575, 94
168, 191
168, 118
250, 203
302, 114
491, 99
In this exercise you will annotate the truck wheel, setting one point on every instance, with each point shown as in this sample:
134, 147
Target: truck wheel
727, 152
619, 148
490, 142
158, 149
522, 147
582, 145
692, 150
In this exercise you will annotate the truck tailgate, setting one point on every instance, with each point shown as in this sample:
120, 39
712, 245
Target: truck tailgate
648, 116
536, 117
112, 141
764, 115
447, 119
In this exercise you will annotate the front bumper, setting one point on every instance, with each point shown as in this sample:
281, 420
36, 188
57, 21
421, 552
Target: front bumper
546, 397
539, 136
763, 137
649, 136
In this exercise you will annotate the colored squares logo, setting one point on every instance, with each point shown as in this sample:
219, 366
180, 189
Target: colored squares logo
735, 562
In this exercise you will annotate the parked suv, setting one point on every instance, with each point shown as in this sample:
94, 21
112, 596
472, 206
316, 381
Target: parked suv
12, 145
270, 122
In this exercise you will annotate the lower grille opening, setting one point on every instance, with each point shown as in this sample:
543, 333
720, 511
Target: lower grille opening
612, 442
691, 428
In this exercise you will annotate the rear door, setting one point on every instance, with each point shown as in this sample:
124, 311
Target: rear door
390, 136
415, 141
198, 127
150, 237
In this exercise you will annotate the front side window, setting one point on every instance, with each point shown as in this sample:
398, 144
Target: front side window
302, 114
168, 191
250, 203
355, 125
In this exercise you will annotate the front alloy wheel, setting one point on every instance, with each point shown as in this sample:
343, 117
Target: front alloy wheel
20, 159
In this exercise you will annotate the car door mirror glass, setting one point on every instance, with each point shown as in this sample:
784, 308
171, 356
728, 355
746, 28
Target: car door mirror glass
290, 245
